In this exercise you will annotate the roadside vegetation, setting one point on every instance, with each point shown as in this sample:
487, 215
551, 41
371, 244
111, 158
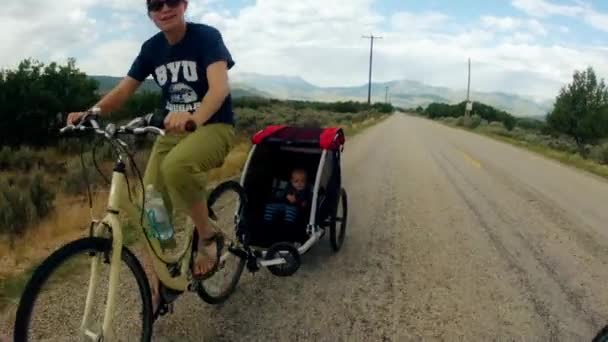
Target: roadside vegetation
574, 132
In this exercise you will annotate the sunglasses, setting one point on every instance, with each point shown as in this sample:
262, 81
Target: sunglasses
157, 5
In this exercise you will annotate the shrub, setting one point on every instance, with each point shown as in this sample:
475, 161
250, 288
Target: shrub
449, 120
530, 124
532, 138
24, 200
472, 121
16, 209
562, 145
460, 121
600, 153
104, 151
70, 145
74, 182
6, 158
42, 197
22, 159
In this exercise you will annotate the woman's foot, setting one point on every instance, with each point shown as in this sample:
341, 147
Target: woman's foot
207, 256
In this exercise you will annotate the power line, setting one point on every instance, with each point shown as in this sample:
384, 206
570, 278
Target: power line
371, 54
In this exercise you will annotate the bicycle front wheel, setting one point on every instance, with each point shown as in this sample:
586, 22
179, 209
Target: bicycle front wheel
52, 306
226, 203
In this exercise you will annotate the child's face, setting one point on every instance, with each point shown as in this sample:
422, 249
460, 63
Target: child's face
298, 181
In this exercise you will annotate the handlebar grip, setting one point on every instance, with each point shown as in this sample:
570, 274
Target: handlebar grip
190, 126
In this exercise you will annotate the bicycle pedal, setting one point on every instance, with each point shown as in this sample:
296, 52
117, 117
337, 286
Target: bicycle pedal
165, 309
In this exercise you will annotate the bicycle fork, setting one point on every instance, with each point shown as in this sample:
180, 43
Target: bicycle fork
111, 221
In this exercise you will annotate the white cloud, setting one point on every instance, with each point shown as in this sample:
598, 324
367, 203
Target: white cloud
120, 52
404, 21
32, 28
417, 47
544, 8
596, 19
511, 24
582, 9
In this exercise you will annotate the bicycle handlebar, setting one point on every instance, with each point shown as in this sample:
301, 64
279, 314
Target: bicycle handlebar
140, 125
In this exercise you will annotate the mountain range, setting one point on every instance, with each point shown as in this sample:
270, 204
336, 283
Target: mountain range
403, 93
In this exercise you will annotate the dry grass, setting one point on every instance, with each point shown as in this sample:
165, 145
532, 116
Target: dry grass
68, 221
358, 127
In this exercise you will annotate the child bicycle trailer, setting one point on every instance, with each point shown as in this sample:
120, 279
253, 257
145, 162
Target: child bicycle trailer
277, 151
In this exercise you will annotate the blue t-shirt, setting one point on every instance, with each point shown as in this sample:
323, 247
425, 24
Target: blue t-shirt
181, 70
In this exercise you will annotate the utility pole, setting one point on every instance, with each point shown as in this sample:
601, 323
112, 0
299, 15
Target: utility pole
386, 96
469, 105
371, 37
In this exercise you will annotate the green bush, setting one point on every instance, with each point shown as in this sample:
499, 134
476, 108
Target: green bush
562, 145
530, 124
104, 151
460, 121
472, 122
22, 159
533, 138
16, 210
42, 197
70, 145
23, 200
6, 158
449, 120
74, 182
437, 110
600, 153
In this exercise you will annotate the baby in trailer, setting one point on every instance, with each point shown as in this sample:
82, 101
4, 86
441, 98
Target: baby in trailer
291, 202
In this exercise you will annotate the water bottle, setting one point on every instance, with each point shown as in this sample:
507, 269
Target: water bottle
160, 221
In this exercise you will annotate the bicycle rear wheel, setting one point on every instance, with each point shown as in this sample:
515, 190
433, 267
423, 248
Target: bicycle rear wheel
226, 202
62, 279
337, 228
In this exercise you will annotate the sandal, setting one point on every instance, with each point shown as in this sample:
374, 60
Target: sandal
218, 238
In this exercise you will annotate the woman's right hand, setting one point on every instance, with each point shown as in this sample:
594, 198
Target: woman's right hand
74, 118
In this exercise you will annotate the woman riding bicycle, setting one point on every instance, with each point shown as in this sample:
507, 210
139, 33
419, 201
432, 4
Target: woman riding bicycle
190, 63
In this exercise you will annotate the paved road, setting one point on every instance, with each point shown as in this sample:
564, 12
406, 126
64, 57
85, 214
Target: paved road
452, 236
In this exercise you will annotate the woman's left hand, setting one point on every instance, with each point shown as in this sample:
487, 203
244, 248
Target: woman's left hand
176, 121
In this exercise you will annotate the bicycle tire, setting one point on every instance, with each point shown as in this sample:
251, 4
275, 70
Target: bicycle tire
215, 194
50, 264
602, 335
337, 240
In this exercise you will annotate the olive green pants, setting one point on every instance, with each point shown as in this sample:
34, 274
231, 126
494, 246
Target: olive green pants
179, 163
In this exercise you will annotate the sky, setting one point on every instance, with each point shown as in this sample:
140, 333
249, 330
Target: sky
527, 47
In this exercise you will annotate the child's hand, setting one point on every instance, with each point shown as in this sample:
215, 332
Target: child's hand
291, 198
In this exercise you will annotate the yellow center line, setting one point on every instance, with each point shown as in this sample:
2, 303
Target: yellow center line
471, 160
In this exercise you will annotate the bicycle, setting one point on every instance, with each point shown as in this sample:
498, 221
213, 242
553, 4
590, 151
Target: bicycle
105, 245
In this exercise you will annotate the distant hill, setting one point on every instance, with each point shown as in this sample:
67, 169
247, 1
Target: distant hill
106, 83
404, 93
